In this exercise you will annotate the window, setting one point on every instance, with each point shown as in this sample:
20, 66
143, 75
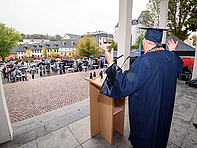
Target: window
40, 51
72, 43
40, 45
56, 44
47, 44
32, 51
34, 45
64, 43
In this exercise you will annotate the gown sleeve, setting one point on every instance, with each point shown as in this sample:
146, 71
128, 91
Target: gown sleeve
120, 84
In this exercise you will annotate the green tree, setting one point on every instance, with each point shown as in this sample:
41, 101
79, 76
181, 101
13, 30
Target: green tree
179, 13
87, 46
137, 43
28, 36
23, 36
152, 14
191, 23
113, 45
9, 38
58, 37
182, 16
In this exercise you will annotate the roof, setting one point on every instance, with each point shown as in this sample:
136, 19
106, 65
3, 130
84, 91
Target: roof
100, 34
68, 43
181, 46
64, 43
72, 36
13, 51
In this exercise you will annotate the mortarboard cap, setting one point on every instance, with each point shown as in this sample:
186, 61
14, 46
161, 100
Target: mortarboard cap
154, 34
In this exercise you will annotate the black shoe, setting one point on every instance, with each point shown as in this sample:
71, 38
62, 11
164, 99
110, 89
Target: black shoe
195, 125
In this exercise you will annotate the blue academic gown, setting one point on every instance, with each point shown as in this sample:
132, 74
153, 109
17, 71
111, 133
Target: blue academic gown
150, 84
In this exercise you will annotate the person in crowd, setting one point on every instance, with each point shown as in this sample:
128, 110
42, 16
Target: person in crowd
43, 68
18, 74
37, 69
150, 84
40, 67
3, 71
24, 74
33, 71
60, 65
55, 65
48, 68
7, 73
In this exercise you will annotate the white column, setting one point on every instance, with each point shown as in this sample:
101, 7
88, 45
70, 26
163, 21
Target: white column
124, 31
194, 74
163, 17
6, 132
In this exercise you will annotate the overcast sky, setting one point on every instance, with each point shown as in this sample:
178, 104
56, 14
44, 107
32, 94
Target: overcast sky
64, 16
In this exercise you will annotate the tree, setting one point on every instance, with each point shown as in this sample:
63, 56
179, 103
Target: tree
9, 38
44, 52
137, 43
182, 16
52, 54
87, 46
152, 14
23, 37
27, 52
191, 24
179, 13
58, 37
113, 45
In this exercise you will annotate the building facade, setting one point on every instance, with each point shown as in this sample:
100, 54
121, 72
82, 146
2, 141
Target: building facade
65, 47
135, 29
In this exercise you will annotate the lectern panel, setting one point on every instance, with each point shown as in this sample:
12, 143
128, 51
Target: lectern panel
94, 110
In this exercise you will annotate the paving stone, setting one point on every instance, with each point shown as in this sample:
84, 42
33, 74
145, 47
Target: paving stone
170, 145
183, 110
98, 141
32, 98
62, 138
32, 144
24, 138
67, 119
190, 140
124, 137
81, 129
177, 134
194, 120
26, 125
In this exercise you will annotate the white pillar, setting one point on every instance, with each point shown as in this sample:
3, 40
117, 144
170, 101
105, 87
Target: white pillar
194, 74
124, 31
163, 17
6, 132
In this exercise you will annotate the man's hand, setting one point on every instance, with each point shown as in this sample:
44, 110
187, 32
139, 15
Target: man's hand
109, 56
171, 45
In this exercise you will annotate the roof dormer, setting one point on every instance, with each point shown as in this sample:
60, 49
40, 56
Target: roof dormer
56, 44
48, 44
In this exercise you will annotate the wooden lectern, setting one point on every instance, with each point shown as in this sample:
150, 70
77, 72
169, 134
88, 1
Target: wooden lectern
105, 113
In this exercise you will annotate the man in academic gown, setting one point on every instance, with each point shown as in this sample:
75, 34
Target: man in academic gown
150, 84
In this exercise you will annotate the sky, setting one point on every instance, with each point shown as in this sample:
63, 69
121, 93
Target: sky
64, 16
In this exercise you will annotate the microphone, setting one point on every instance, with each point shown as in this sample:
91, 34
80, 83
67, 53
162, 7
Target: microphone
120, 56
125, 61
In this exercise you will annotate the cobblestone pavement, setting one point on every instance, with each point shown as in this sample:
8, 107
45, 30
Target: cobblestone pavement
35, 97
